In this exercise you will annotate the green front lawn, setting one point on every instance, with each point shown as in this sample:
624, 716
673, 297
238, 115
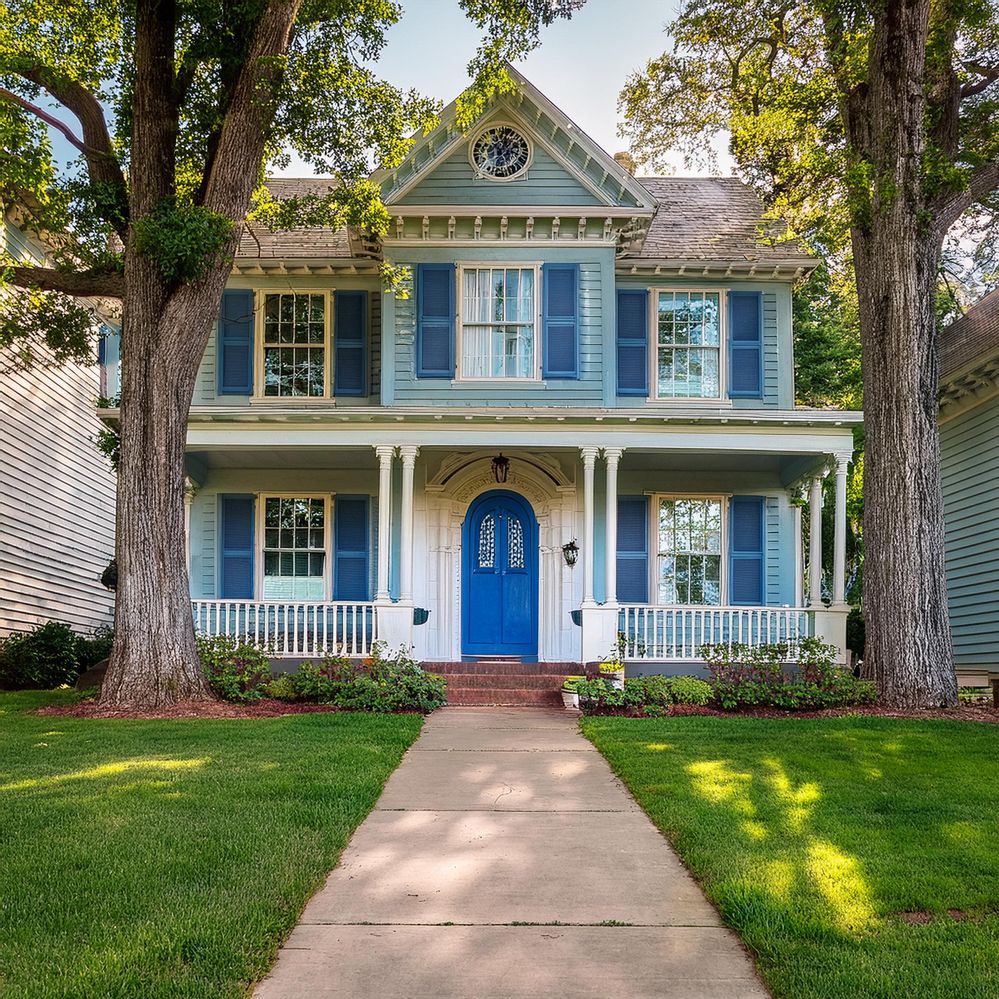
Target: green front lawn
169, 858
857, 857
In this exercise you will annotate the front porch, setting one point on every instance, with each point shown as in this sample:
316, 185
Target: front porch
398, 569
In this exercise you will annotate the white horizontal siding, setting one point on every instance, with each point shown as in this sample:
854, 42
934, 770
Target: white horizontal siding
56, 500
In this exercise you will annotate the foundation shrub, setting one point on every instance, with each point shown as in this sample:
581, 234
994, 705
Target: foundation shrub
237, 671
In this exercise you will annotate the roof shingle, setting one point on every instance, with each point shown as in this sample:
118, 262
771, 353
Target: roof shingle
714, 218
973, 337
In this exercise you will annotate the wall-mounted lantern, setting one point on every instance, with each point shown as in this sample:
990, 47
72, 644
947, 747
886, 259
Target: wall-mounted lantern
501, 466
570, 552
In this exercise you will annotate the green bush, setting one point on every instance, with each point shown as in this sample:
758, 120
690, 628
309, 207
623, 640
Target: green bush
658, 690
94, 648
283, 688
690, 690
39, 660
237, 671
598, 693
746, 677
381, 683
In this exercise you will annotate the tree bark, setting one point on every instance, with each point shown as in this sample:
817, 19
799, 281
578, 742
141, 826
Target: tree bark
897, 255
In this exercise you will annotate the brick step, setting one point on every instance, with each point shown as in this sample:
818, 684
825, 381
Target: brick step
507, 697
509, 669
503, 681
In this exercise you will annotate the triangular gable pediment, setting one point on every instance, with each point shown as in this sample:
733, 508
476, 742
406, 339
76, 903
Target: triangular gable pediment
567, 168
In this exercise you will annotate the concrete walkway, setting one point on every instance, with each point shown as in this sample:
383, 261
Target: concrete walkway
499, 862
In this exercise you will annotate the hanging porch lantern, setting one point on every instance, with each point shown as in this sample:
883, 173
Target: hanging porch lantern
501, 466
570, 552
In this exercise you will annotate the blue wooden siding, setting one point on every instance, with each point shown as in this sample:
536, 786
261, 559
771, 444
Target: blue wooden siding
454, 183
206, 387
595, 302
969, 445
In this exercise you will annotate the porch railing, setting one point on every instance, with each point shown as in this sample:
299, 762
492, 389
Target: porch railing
291, 628
664, 633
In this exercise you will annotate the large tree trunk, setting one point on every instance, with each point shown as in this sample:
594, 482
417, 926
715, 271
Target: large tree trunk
897, 255
154, 661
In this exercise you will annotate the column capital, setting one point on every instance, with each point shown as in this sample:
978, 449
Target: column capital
408, 453
589, 454
385, 452
613, 453
841, 461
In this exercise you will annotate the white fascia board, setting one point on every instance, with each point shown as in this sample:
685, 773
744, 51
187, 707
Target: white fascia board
759, 440
520, 211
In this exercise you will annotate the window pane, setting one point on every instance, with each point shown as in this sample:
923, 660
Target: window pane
689, 551
689, 339
498, 323
294, 548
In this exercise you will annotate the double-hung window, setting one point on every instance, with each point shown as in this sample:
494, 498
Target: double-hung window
688, 344
689, 569
295, 345
499, 320
294, 547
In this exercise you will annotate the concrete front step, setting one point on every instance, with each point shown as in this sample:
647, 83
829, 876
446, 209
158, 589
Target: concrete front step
504, 681
504, 697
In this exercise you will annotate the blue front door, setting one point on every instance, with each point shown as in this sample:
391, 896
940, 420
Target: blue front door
499, 577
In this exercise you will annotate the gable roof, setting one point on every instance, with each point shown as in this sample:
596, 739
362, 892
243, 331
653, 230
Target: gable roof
972, 339
546, 125
714, 219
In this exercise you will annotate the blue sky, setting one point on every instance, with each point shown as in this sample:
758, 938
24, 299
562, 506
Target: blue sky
581, 64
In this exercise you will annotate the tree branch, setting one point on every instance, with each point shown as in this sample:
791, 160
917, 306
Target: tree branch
989, 75
981, 183
102, 161
79, 284
46, 117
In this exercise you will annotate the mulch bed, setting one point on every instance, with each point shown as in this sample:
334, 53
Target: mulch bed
973, 712
265, 708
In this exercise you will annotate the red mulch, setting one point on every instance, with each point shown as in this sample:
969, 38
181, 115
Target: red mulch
973, 712
265, 708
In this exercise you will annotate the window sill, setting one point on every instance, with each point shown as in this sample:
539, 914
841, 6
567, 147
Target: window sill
305, 402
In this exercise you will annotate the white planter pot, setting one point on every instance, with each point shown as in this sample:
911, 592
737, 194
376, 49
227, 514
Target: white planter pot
570, 699
616, 680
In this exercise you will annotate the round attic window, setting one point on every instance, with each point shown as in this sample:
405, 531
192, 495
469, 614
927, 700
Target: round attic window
500, 153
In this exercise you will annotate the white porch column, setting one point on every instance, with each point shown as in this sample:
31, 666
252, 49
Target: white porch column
408, 453
839, 535
815, 542
189, 491
385, 454
799, 555
589, 459
613, 456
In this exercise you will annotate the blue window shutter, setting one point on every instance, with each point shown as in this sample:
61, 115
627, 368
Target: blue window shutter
746, 559
236, 547
350, 343
560, 321
633, 549
235, 343
351, 542
633, 342
745, 345
435, 320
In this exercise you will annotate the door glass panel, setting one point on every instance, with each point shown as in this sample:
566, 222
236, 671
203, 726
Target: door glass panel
487, 542
515, 543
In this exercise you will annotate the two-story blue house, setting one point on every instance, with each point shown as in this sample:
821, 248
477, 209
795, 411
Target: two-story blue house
576, 421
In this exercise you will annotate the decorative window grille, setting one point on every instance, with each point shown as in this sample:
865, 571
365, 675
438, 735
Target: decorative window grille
294, 345
688, 352
515, 543
690, 546
294, 548
487, 542
498, 322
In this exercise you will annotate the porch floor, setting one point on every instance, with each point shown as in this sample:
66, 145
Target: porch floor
505, 860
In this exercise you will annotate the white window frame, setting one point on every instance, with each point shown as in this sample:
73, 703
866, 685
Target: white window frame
695, 400
260, 299
723, 499
522, 265
262, 499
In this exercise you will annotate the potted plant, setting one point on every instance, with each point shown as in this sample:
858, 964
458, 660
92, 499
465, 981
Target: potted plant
612, 670
570, 693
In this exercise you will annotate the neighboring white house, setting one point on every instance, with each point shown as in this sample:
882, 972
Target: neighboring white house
57, 493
